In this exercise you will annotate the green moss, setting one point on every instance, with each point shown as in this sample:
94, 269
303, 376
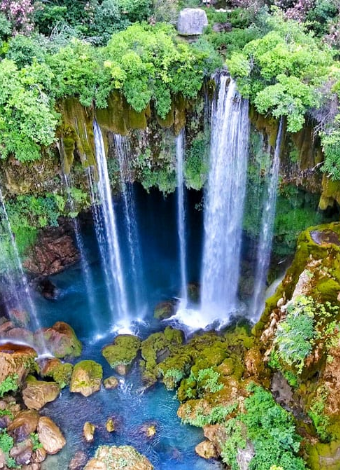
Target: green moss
123, 351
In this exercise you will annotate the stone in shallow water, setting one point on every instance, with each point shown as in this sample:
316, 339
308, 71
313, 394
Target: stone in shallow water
111, 382
192, 21
88, 431
111, 458
50, 436
86, 378
37, 393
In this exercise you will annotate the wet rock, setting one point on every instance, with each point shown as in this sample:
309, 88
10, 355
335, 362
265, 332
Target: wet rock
110, 458
88, 431
111, 382
206, 450
20, 318
121, 354
165, 310
24, 423
86, 378
54, 251
47, 289
37, 393
78, 461
20, 334
191, 22
16, 360
61, 340
50, 435
22, 452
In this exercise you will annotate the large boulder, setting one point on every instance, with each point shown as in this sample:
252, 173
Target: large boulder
16, 360
50, 435
86, 378
60, 372
110, 458
121, 354
192, 21
37, 393
61, 340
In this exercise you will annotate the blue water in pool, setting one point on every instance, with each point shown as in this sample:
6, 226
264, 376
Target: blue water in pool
173, 445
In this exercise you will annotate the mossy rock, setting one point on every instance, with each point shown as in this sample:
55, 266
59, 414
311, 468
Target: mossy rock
121, 354
165, 310
61, 340
60, 372
324, 456
156, 348
86, 378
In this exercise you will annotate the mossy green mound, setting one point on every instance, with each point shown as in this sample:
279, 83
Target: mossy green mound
122, 352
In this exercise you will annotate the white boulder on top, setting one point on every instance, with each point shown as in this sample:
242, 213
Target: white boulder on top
192, 21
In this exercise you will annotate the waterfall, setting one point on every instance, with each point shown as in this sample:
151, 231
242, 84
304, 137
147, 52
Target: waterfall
14, 264
107, 235
224, 202
181, 217
86, 271
137, 279
266, 234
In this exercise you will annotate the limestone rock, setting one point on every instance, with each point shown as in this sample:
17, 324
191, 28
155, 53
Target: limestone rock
50, 435
206, 450
16, 360
121, 354
109, 458
88, 431
86, 378
61, 340
111, 382
37, 393
24, 424
192, 21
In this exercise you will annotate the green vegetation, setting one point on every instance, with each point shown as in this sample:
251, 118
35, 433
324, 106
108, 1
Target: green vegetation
10, 384
270, 429
6, 445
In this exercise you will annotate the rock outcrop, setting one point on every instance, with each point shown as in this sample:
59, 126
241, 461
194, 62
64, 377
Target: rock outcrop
110, 458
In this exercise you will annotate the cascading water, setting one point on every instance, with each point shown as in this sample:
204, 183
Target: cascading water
107, 235
266, 235
86, 271
181, 217
14, 265
137, 279
224, 203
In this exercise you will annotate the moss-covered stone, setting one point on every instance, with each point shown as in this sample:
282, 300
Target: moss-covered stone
121, 354
61, 340
86, 378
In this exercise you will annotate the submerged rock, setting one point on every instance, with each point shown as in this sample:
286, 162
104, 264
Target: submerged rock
78, 461
192, 21
47, 289
110, 425
50, 435
61, 340
37, 393
111, 458
86, 378
121, 354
